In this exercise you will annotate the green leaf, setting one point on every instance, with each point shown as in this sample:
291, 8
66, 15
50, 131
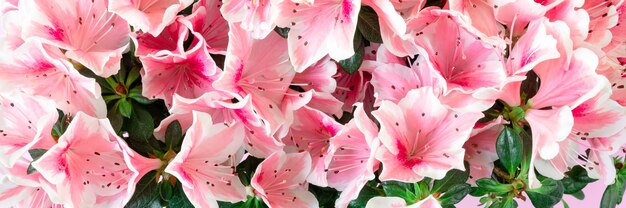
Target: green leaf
116, 119
145, 194
61, 125
477, 191
326, 196
368, 25
508, 202
579, 195
455, 194
400, 189
125, 108
174, 136
352, 64
509, 149
452, 178
613, 194
141, 124
179, 199
36, 153
548, 195
245, 169
367, 192
526, 154
491, 185
165, 190
133, 75
576, 180
282, 31
136, 95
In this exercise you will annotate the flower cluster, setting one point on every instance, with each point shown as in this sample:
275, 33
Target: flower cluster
310, 103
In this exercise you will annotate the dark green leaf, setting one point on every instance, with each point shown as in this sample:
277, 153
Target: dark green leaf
326, 196
613, 194
136, 95
141, 124
509, 149
526, 154
455, 194
179, 199
477, 191
116, 119
133, 75
145, 194
508, 202
174, 136
452, 178
30, 169
61, 125
365, 195
36, 153
368, 25
125, 108
352, 64
576, 180
165, 190
246, 169
579, 195
548, 195
491, 185
399, 189
282, 31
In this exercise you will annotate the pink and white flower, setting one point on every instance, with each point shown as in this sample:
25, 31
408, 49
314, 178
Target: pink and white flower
420, 137
280, 181
150, 16
206, 162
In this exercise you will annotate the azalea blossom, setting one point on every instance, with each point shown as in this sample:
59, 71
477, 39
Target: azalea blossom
90, 34
206, 163
420, 137
279, 181
396, 202
150, 16
88, 166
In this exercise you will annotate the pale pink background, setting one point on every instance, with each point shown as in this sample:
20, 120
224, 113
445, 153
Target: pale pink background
593, 194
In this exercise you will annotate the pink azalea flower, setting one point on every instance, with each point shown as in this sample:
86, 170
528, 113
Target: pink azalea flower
280, 181
351, 160
597, 126
351, 88
19, 189
222, 110
92, 36
617, 78
602, 17
258, 68
480, 149
517, 14
10, 41
206, 22
190, 74
150, 16
336, 18
15, 195
170, 41
26, 124
256, 17
466, 75
394, 18
311, 131
318, 76
532, 48
206, 162
397, 202
41, 70
420, 137
481, 16
89, 165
